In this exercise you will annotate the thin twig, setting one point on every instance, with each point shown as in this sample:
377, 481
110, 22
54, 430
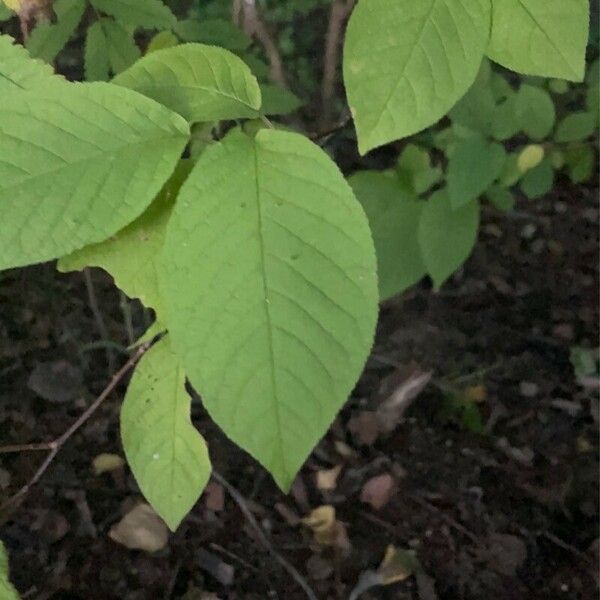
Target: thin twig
339, 13
243, 506
568, 547
55, 446
100, 324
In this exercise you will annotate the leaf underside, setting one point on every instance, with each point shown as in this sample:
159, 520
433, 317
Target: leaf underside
270, 289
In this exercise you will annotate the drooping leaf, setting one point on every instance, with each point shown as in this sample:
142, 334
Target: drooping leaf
540, 37
122, 50
394, 219
406, 63
18, 70
131, 256
202, 83
167, 456
7, 591
78, 162
538, 181
96, 57
214, 32
270, 289
576, 127
472, 168
152, 14
48, 39
446, 236
535, 111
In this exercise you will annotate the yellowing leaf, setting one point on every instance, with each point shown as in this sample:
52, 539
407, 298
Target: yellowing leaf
531, 156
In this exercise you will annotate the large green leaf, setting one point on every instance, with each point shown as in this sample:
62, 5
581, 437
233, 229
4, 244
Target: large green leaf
48, 39
214, 32
78, 162
474, 165
18, 70
540, 37
168, 457
394, 219
7, 591
270, 290
406, 63
131, 256
446, 236
142, 13
202, 83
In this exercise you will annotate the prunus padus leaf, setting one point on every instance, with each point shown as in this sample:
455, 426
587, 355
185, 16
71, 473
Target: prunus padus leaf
147, 13
393, 215
446, 236
474, 165
540, 37
277, 101
48, 39
18, 70
406, 63
78, 162
168, 457
201, 83
96, 59
270, 289
162, 40
214, 32
131, 255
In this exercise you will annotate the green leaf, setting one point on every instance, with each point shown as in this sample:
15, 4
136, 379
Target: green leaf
7, 591
162, 40
394, 218
446, 236
131, 255
535, 111
575, 127
48, 39
505, 121
581, 163
271, 294
540, 37
415, 170
472, 168
97, 67
538, 181
122, 50
202, 83
152, 14
277, 101
167, 456
78, 162
5, 13
406, 63
214, 32
18, 70
502, 198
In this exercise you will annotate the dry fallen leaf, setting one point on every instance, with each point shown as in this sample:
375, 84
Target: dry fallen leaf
141, 529
364, 428
105, 463
378, 491
327, 479
214, 496
327, 530
392, 409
